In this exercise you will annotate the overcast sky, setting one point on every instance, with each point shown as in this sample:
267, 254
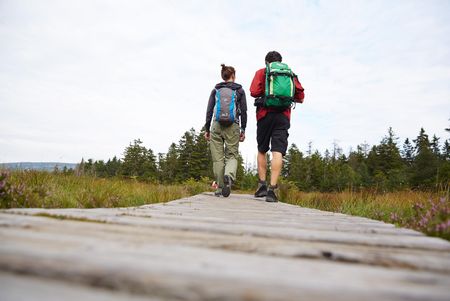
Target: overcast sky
85, 78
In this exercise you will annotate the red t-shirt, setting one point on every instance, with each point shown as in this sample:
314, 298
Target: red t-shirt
257, 89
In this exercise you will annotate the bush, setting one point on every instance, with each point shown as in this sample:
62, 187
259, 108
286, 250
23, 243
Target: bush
432, 217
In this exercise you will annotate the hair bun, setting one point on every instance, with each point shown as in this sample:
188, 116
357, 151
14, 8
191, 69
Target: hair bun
223, 66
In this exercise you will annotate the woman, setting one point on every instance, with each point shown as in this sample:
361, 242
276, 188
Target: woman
227, 109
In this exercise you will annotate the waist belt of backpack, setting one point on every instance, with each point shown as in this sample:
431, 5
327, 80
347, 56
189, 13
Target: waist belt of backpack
282, 98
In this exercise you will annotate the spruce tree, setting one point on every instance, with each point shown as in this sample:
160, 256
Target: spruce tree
139, 162
435, 147
113, 167
186, 148
169, 166
292, 169
201, 161
408, 152
386, 165
425, 163
446, 150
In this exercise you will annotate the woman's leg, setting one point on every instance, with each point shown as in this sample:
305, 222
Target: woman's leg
231, 137
217, 153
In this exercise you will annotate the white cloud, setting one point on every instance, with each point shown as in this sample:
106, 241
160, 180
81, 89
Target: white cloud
83, 79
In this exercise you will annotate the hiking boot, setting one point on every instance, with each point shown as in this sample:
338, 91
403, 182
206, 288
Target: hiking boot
218, 192
262, 189
271, 196
226, 190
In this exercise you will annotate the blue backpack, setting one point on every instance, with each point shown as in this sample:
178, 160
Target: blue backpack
225, 110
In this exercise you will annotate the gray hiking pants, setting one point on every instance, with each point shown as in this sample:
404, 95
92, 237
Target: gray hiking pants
224, 150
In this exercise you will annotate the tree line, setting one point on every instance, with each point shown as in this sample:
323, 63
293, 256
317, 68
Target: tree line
190, 158
420, 163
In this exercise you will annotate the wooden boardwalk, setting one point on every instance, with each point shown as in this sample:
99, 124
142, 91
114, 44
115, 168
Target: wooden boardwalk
208, 248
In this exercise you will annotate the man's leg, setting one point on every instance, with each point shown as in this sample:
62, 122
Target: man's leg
275, 168
262, 166
263, 133
279, 143
261, 191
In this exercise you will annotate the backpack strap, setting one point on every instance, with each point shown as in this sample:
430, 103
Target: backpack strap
217, 104
233, 103
267, 81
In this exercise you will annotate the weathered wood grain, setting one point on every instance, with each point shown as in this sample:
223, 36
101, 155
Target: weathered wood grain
208, 248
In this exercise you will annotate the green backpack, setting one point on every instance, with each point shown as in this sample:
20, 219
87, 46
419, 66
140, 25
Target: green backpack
280, 86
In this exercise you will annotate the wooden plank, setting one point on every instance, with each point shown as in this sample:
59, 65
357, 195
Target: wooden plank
14, 287
42, 227
207, 248
325, 227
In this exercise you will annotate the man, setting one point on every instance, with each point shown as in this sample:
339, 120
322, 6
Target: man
272, 129
226, 107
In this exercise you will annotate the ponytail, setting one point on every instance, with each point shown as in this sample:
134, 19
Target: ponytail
227, 72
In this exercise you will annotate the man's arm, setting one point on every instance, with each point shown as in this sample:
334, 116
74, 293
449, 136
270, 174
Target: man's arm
299, 95
257, 88
210, 110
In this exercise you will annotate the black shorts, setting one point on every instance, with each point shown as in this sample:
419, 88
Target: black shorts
273, 130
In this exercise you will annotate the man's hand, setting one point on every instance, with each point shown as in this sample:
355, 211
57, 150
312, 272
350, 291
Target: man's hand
242, 137
207, 136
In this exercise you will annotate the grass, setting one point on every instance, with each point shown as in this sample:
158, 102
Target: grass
72, 218
37, 189
428, 212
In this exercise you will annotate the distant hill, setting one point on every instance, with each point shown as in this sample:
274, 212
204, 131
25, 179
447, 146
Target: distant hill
48, 166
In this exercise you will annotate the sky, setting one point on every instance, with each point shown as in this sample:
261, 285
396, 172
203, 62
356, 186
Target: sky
83, 79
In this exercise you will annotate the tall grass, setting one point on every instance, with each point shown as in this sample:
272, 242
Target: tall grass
428, 212
40, 189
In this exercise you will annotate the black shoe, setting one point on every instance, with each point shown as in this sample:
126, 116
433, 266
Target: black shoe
218, 192
262, 190
271, 196
226, 190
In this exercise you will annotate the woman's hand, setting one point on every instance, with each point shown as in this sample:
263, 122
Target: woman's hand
242, 137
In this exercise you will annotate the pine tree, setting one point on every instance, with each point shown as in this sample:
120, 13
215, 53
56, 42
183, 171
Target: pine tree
150, 169
169, 165
422, 142
386, 164
100, 169
186, 148
113, 167
446, 150
201, 161
292, 169
408, 152
139, 162
435, 147
89, 167
425, 163
315, 171
357, 161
